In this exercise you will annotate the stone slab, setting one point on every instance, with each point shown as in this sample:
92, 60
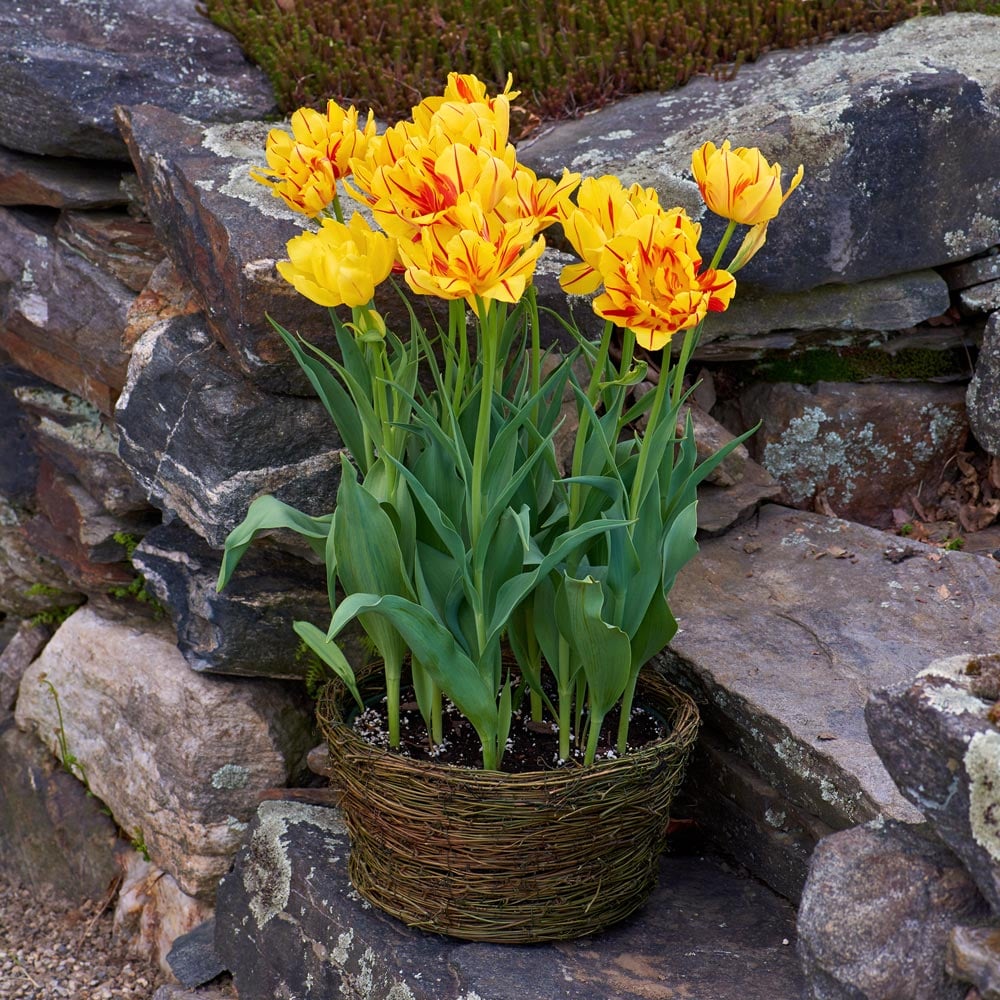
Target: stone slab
40, 180
786, 625
290, 924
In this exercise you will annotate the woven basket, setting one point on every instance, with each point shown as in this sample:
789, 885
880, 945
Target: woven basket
513, 858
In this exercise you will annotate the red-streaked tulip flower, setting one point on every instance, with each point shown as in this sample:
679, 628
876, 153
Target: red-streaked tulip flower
604, 208
739, 184
652, 281
304, 167
340, 264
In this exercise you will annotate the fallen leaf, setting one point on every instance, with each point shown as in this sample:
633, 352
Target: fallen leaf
837, 552
943, 592
826, 736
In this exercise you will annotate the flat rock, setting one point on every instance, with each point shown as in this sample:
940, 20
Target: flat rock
165, 296
974, 957
247, 628
204, 442
936, 738
973, 272
176, 755
848, 110
18, 460
877, 913
786, 625
193, 958
54, 835
60, 316
289, 923
894, 303
983, 395
863, 448
64, 68
58, 183
16, 656
983, 298
120, 245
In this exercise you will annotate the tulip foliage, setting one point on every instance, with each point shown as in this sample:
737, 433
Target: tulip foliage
457, 531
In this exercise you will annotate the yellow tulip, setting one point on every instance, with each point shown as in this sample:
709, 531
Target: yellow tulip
340, 264
739, 184
304, 167
484, 258
604, 208
652, 282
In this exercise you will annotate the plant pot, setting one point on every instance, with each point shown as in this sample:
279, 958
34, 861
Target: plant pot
512, 858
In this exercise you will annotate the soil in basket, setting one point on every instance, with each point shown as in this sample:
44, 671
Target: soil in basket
532, 746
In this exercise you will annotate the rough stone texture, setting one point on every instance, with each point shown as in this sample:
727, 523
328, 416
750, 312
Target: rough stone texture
882, 304
129, 704
152, 912
39, 180
981, 298
15, 657
224, 232
849, 111
124, 247
29, 583
52, 834
289, 924
193, 958
165, 296
973, 956
246, 629
973, 272
64, 68
786, 625
862, 447
71, 434
983, 397
60, 316
720, 507
18, 461
937, 741
204, 441
876, 914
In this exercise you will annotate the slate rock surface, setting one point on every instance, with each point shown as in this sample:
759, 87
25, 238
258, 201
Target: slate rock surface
64, 68
787, 623
936, 738
877, 912
848, 111
15, 657
288, 923
863, 448
53, 834
974, 957
58, 183
204, 442
983, 397
247, 628
130, 706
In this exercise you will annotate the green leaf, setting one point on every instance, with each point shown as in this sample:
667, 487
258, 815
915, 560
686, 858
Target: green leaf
679, 545
267, 514
656, 629
603, 650
330, 654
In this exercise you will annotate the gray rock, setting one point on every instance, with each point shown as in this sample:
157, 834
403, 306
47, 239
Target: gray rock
175, 755
15, 657
863, 448
71, 434
64, 68
973, 272
974, 957
18, 460
54, 835
983, 397
848, 110
288, 923
876, 914
247, 628
984, 298
937, 741
203, 441
40, 180
786, 624
882, 304
193, 958
60, 316
120, 245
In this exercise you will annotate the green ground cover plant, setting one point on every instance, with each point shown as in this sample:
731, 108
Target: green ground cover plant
566, 56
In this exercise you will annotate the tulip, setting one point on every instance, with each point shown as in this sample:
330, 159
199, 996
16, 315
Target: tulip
739, 184
340, 264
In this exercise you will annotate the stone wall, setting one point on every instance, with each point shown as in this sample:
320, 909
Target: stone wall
145, 401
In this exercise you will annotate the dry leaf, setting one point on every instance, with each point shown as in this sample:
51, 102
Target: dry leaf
826, 736
943, 592
837, 552
822, 506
